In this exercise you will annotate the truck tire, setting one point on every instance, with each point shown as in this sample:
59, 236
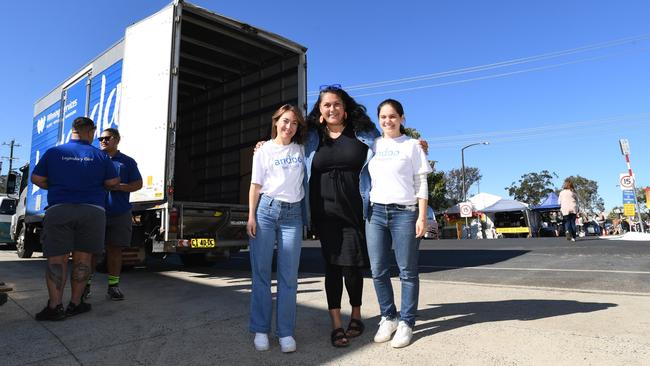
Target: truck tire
196, 260
24, 247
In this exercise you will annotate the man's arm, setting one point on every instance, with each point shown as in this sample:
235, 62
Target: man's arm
111, 184
129, 187
39, 181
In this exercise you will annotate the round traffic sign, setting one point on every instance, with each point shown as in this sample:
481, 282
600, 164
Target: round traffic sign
626, 181
465, 209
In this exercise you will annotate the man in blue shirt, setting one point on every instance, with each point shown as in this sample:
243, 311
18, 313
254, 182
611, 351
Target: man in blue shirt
76, 175
118, 210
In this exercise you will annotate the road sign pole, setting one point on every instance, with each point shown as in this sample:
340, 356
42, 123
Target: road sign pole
625, 150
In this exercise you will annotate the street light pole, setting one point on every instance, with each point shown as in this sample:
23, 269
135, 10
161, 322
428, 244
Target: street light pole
462, 162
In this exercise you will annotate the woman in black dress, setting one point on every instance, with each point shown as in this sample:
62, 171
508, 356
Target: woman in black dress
337, 151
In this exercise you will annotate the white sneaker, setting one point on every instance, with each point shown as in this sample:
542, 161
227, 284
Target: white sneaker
287, 344
386, 329
261, 341
573, 239
403, 335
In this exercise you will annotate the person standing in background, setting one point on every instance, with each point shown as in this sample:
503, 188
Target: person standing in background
568, 200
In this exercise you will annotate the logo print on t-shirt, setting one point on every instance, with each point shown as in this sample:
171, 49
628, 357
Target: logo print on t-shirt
77, 158
288, 161
387, 154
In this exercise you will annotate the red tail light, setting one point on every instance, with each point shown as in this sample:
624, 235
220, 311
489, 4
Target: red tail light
173, 220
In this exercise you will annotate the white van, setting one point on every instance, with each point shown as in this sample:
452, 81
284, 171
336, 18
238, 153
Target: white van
7, 210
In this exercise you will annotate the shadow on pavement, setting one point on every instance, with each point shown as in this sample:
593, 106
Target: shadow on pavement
169, 319
435, 318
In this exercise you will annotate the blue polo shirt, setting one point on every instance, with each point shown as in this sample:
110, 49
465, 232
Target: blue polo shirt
117, 202
75, 173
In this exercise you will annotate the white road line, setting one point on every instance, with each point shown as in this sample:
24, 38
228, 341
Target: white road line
537, 269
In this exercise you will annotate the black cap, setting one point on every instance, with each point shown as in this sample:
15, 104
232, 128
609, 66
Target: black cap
81, 123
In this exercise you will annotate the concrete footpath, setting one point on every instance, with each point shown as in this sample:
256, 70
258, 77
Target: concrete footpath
199, 317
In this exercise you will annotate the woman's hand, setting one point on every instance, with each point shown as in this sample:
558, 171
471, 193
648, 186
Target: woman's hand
420, 227
258, 145
424, 145
251, 227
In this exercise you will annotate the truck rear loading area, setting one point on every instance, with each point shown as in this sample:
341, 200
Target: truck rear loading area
193, 92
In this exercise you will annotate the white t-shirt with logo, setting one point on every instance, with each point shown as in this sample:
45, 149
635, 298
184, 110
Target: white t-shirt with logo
279, 169
392, 168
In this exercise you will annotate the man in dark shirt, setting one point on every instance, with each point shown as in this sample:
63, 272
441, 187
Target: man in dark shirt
76, 175
118, 209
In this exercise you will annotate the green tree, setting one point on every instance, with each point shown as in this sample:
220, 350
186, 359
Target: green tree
437, 190
435, 180
641, 199
454, 182
589, 200
532, 187
412, 132
615, 212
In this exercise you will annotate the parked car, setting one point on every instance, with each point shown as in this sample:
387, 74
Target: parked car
591, 229
433, 231
7, 210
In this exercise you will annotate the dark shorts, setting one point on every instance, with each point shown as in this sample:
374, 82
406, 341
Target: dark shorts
72, 227
118, 230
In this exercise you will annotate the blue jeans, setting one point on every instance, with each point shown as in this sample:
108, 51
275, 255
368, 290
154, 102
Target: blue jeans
281, 223
394, 225
570, 225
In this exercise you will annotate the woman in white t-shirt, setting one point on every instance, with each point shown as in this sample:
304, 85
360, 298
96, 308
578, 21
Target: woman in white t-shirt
275, 215
397, 219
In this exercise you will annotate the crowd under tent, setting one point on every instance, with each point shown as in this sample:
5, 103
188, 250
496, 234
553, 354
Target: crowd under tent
547, 217
493, 216
510, 218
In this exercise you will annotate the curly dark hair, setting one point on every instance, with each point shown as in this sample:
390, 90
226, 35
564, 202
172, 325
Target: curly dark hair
357, 116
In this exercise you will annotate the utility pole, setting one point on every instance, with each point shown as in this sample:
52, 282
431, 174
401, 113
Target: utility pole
11, 158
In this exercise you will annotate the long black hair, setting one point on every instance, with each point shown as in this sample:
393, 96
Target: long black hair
356, 113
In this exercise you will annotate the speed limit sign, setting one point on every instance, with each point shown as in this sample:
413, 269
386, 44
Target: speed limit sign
626, 181
465, 209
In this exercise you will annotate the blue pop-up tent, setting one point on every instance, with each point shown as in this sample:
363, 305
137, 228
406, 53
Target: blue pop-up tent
550, 203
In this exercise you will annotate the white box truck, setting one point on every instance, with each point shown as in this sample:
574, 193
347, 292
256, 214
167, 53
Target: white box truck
191, 92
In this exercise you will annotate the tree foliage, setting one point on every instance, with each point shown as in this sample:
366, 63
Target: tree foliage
454, 182
435, 180
641, 199
615, 212
532, 187
437, 189
589, 200
412, 132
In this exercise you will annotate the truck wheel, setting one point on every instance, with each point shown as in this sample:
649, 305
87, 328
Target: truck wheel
23, 246
195, 260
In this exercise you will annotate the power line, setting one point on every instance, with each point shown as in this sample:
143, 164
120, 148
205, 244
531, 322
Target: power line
558, 130
548, 127
493, 76
501, 64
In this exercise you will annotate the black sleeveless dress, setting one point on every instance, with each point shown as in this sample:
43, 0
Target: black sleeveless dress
336, 206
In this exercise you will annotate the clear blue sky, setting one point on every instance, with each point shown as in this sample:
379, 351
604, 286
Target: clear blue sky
564, 114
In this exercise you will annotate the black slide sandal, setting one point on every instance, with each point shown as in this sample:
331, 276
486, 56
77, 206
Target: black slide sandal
337, 336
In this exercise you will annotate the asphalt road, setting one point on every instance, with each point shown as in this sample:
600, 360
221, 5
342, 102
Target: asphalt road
590, 264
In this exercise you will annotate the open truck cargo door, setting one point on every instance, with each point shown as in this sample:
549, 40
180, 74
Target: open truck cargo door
145, 107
